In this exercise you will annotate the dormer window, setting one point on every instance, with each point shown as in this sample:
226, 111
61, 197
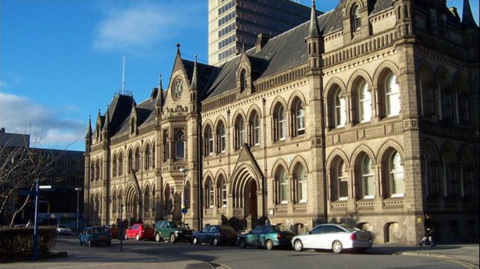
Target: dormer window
243, 80
355, 18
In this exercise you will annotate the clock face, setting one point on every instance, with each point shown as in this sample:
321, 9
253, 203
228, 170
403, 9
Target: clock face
177, 89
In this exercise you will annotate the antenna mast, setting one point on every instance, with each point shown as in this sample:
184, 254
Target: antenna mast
123, 76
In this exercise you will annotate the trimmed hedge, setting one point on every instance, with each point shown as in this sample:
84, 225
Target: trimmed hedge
17, 243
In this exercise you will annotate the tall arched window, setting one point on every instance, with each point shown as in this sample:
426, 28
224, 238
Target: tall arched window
209, 193
340, 115
255, 129
180, 144
243, 80
208, 141
146, 202
364, 103
153, 198
114, 201
114, 165
148, 157
356, 19
301, 185
280, 119
298, 118
137, 160
120, 163
222, 192
92, 171
368, 179
339, 181
166, 146
396, 176
153, 156
239, 132
282, 186
221, 138
392, 96
97, 170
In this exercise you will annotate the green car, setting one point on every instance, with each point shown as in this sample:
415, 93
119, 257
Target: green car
267, 236
173, 231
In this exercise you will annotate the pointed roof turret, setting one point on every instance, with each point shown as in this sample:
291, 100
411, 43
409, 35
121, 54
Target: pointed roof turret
89, 128
160, 101
314, 29
467, 17
194, 85
107, 119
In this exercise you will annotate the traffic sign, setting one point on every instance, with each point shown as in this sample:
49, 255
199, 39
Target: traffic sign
184, 211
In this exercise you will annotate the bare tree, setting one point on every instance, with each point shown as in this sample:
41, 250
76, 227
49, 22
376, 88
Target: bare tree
20, 166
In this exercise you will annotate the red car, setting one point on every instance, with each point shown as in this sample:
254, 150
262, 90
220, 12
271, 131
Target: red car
140, 232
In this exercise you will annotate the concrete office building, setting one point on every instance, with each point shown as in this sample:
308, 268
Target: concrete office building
234, 24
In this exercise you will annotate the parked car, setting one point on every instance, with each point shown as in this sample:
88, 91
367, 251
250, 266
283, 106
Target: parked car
336, 237
140, 231
173, 231
268, 236
63, 229
113, 231
95, 236
215, 234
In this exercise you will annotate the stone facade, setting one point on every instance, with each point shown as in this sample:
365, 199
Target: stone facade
366, 115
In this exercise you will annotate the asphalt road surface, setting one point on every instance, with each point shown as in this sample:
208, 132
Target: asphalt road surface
150, 254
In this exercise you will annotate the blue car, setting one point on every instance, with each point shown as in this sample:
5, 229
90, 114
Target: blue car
215, 235
95, 236
267, 236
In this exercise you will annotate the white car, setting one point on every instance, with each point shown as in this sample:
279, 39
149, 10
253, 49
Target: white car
336, 237
63, 229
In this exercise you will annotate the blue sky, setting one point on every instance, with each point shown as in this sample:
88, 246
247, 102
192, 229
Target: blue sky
61, 61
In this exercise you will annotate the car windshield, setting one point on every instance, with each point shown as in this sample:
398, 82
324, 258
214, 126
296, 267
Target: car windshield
177, 225
97, 230
349, 228
280, 229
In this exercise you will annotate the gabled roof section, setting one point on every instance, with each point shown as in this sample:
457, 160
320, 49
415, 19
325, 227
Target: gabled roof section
119, 111
204, 73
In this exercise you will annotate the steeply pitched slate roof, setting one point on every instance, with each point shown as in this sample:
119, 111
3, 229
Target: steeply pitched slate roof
119, 108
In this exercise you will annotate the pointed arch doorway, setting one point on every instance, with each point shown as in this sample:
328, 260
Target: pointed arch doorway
246, 194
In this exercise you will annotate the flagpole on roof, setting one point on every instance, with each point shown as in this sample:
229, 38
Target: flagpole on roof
123, 76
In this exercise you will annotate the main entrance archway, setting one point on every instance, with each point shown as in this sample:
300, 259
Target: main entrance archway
245, 193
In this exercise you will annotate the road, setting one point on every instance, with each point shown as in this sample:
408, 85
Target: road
164, 255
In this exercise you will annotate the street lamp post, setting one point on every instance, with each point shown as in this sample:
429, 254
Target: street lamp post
184, 210
78, 190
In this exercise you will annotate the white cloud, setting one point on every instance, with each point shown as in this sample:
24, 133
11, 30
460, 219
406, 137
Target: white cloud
48, 127
139, 28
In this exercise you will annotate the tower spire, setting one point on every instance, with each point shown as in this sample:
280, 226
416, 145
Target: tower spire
467, 17
194, 77
314, 29
89, 128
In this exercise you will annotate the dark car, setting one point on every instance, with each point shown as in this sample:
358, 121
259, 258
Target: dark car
216, 234
173, 231
268, 236
95, 236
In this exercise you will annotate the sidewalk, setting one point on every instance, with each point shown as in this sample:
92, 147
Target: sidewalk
464, 254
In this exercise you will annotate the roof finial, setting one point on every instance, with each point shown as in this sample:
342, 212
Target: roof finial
467, 17
160, 86
178, 48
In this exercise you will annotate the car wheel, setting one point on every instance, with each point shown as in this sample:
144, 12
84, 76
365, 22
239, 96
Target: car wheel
243, 243
80, 242
90, 243
269, 244
137, 237
158, 238
126, 237
298, 245
337, 247
215, 241
195, 241
172, 238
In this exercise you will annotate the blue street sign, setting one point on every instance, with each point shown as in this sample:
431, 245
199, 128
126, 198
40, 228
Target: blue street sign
184, 211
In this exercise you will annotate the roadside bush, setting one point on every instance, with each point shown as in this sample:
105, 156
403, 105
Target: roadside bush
17, 243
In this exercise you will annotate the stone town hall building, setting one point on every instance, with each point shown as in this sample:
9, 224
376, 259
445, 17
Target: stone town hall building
367, 115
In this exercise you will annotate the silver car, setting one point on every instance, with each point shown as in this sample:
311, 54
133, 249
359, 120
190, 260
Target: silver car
336, 237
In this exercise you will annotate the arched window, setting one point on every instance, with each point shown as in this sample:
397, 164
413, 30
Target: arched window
114, 201
120, 163
148, 157
114, 165
280, 123
396, 176
222, 192
392, 96
209, 193
119, 200
340, 115
298, 118
255, 129
153, 198
221, 138
368, 179
208, 141
137, 160
179, 144
364, 103
282, 186
146, 202
97, 170
300, 179
356, 19
92, 171
339, 181
243, 80
166, 146
239, 133
153, 155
